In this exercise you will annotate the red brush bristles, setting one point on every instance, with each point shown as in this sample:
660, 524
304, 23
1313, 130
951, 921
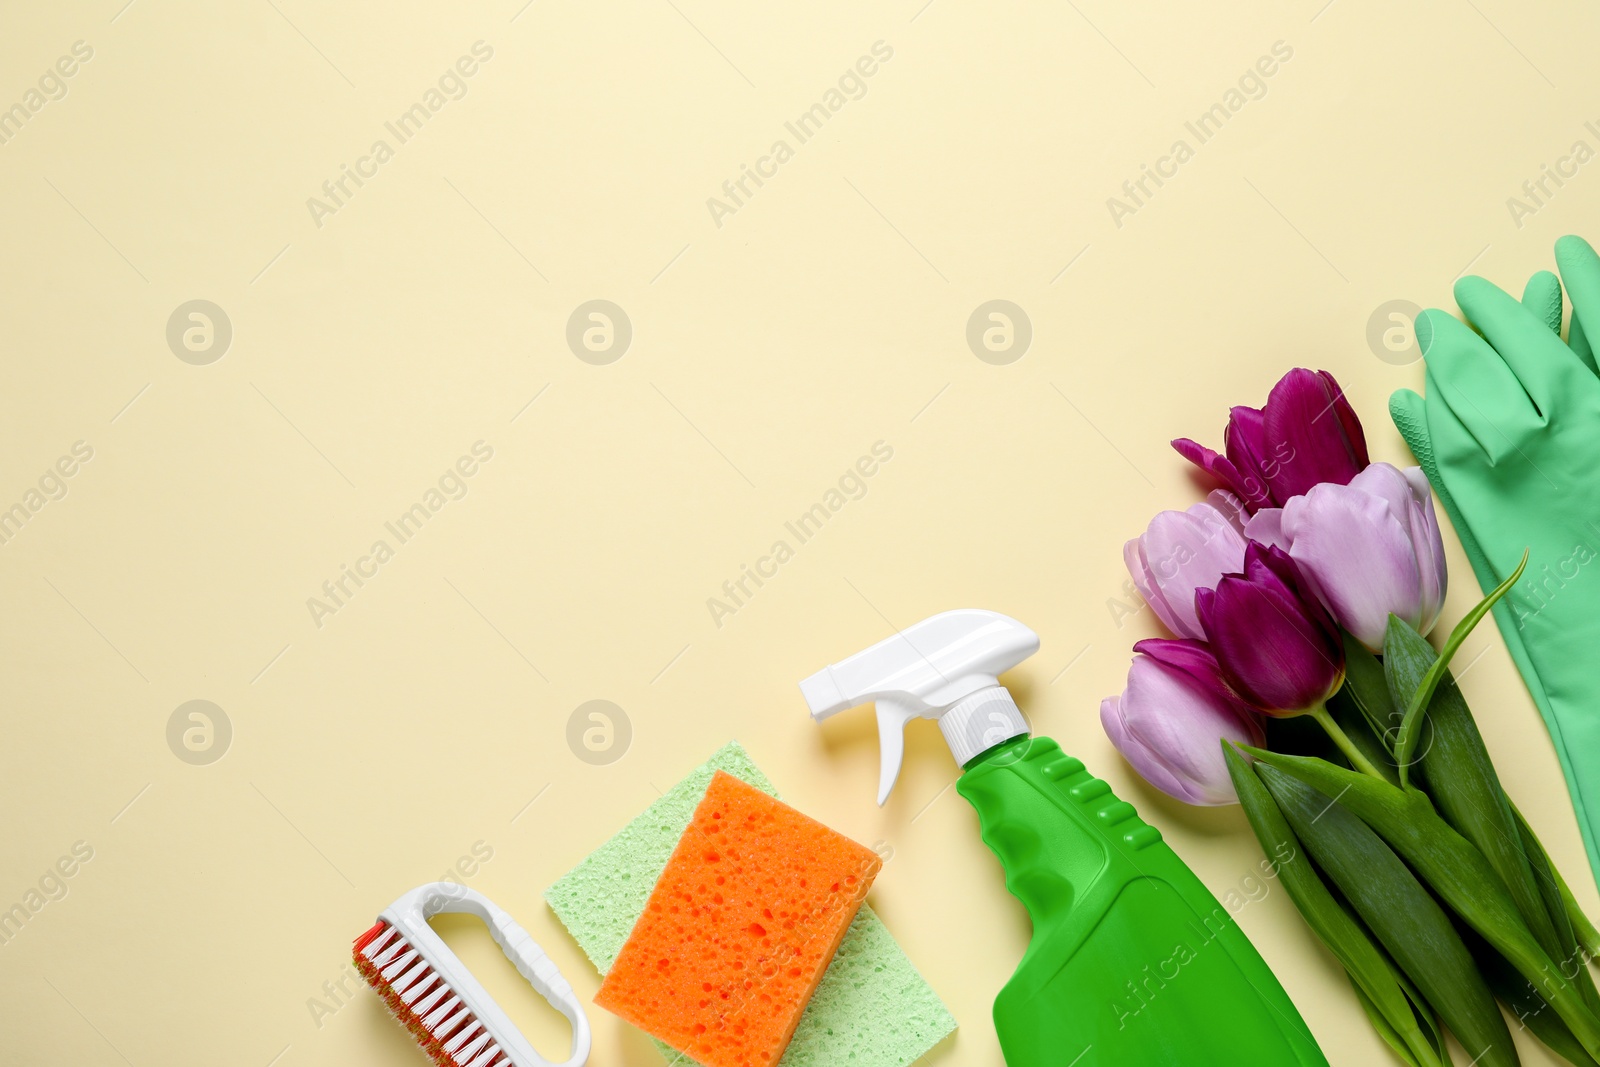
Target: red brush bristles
436, 1016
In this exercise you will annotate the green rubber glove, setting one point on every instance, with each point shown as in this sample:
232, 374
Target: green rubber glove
1542, 297
1580, 272
1509, 436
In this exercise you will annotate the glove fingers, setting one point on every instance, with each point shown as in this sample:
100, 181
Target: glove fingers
1524, 341
1468, 378
1542, 296
1578, 341
1409, 412
1432, 427
1580, 273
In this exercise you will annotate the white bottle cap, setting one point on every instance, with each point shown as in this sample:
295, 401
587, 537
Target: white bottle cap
983, 720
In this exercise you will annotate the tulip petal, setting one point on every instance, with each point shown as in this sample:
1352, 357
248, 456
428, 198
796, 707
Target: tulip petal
1191, 657
1219, 467
1304, 428
1347, 419
1198, 665
1144, 580
1271, 658
1429, 545
1429, 548
1230, 507
1276, 646
1247, 430
1282, 567
1178, 728
1357, 556
1246, 444
1420, 489
1389, 484
1410, 500
1181, 552
1138, 755
1266, 527
1196, 453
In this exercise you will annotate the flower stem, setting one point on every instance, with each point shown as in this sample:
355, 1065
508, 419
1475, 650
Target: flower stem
1340, 738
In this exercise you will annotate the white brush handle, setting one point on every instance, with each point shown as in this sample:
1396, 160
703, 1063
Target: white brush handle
411, 913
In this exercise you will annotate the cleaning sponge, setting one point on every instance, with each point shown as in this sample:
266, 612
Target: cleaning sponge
739, 929
871, 1009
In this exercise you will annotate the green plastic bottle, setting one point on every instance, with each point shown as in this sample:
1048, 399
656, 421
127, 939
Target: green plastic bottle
1133, 961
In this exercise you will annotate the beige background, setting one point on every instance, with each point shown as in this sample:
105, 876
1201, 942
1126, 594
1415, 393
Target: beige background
828, 313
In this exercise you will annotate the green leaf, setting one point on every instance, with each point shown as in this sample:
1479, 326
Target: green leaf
1390, 1035
1405, 742
1347, 713
1453, 766
1531, 1010
1453, 868
1456, 771
1382, 989
1588, 936
1423, 1012
1400, 912
1368, 689
1584, 932
1554, 895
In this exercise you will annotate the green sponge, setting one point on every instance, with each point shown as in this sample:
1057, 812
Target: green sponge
872, 1008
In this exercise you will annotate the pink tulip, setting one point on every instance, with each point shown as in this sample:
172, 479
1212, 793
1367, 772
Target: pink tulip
1367, 549
1172, 718
1184, 551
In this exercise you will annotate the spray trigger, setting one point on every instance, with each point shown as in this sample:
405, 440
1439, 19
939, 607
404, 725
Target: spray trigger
944, 668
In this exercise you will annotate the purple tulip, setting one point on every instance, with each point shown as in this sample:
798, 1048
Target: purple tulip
1366, 549
1275, 643
1305, 435
1183, 551
1171, 719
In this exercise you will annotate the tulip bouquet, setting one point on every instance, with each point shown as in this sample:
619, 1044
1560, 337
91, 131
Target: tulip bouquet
1301, 590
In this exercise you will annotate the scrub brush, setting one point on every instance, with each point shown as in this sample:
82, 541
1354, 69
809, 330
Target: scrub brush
438, 1000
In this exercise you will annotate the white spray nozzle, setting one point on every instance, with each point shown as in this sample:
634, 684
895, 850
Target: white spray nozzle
946, 667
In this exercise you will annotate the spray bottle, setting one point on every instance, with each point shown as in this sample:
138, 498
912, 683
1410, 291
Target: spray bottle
1133, 962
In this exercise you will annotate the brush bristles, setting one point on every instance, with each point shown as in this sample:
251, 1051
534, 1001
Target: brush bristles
437, 1017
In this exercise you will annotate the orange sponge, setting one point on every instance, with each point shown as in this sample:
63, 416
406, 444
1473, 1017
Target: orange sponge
739, 929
